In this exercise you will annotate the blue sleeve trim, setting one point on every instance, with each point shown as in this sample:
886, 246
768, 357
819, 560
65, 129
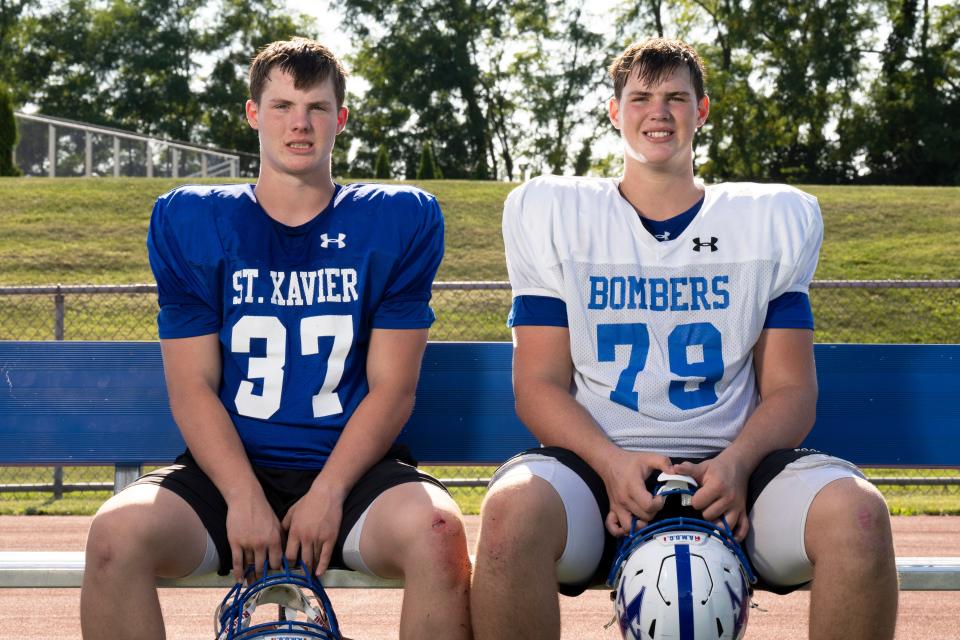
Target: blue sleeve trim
540, 311
789, 311
186, 321
410, 315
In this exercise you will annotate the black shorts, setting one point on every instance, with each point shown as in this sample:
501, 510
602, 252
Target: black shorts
282, 488
768, 468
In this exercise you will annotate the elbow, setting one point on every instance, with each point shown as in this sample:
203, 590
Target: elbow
522, 405
398, 402
806, 414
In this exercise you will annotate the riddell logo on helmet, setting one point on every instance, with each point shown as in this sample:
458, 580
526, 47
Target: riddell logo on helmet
674, 538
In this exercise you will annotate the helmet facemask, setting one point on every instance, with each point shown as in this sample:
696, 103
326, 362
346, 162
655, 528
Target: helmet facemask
303, 610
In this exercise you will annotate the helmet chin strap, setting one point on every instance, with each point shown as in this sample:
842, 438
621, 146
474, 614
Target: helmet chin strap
675, 483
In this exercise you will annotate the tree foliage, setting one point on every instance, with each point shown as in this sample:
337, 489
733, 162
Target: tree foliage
803, 90
472, 78
909, 130
563, 66
428, 169
136, 64
11, 12
424, 80
381, 169
8, 134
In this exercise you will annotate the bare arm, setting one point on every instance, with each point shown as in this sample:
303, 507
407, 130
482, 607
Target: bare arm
787, 382
542, 374
393, 368
192, 370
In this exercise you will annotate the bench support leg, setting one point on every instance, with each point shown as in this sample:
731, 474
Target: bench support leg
124, 475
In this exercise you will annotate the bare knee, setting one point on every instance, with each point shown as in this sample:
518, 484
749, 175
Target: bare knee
435, 539
114, 540
142, 531
523, 517
849, 519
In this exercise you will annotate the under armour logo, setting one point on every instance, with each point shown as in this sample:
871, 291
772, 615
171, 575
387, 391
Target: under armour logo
326, 241
663, 236
697, 245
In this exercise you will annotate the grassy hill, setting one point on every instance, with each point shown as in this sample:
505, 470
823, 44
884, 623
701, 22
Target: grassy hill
92, 231
80, 231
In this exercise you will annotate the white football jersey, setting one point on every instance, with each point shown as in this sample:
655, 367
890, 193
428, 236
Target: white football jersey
662, 333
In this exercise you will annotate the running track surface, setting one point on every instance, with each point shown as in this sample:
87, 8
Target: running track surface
34, 614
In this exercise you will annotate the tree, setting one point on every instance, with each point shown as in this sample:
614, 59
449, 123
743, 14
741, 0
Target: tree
472, 82
382, 167
433, 73
583, 162
243, 27
428, 169
125, 64
134, 65
10, 36
908, 128
563, 66
782, 77
8, 134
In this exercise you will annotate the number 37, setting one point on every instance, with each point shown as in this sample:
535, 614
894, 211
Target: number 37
269, 368
637, 337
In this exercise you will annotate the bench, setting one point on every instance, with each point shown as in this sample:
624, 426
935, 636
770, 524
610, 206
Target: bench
105, 403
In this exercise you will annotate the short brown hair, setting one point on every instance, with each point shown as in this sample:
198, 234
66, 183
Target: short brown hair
655, 58
308, 61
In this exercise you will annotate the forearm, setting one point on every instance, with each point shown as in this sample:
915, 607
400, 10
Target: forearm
782, 420
367, 436
213, 441
555, 418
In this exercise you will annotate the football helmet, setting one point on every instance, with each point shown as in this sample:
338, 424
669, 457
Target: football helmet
304, 611
681, 578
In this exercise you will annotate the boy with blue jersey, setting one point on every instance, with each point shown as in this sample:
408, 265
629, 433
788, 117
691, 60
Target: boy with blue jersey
664, 326
293, 320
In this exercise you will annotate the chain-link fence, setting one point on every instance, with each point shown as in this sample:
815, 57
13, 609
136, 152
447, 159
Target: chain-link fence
846, 311
81, 490
862, 311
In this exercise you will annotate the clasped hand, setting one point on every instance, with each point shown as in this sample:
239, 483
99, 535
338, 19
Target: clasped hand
308, 531
722, 493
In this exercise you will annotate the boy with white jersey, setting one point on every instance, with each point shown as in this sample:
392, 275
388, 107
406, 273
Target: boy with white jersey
660, 325
293, 320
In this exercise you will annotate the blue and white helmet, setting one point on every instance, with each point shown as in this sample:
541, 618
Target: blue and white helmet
681, 578
303, 610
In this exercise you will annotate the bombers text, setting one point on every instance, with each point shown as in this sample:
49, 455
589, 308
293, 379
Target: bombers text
659, 294
295, 288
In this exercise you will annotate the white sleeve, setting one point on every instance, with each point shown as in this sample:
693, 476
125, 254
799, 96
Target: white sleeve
531, 258
802, 236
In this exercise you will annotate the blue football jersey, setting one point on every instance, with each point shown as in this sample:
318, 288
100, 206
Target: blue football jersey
293, 306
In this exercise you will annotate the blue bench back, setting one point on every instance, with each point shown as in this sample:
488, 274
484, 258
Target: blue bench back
105, 403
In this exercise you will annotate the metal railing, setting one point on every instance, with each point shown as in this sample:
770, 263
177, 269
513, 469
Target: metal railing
57, 147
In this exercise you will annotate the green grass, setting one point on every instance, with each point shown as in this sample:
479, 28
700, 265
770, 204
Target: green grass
903, 500
92, 231
888, 232
81, 231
